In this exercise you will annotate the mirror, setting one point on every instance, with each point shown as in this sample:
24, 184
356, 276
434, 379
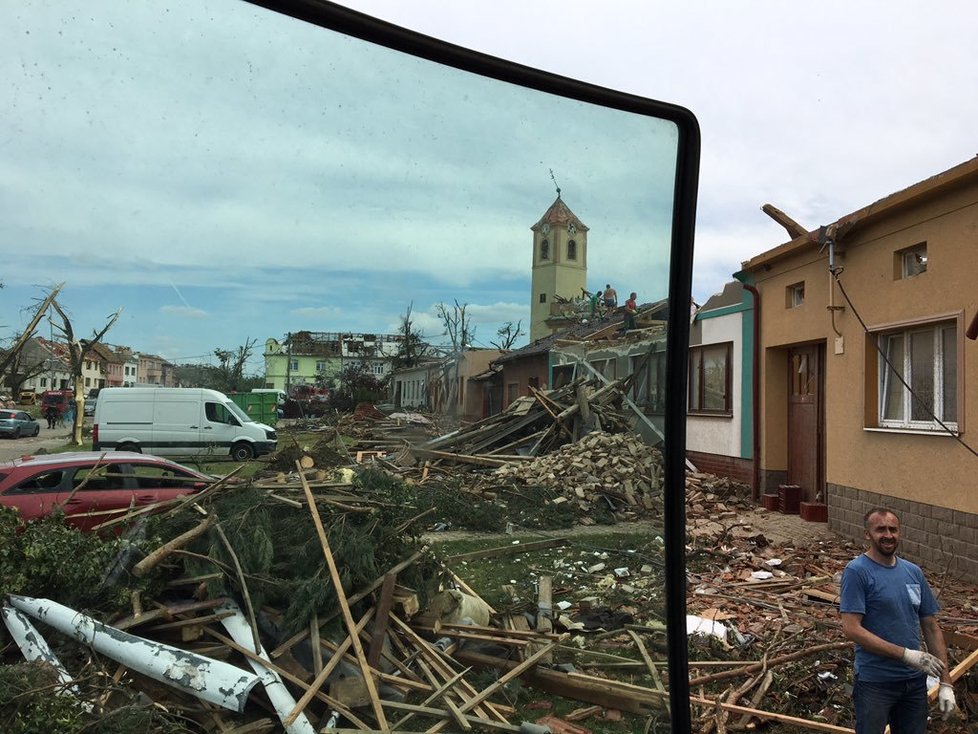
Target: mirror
224, 172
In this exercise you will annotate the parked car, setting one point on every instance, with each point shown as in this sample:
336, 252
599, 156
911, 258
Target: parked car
90, 406
17, 423
91, 486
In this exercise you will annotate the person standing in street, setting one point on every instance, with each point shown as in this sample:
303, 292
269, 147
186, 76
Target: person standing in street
886, 604
69, 415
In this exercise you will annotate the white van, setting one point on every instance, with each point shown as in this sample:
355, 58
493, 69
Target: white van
177, 421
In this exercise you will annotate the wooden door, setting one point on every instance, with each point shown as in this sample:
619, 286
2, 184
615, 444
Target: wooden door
806, 462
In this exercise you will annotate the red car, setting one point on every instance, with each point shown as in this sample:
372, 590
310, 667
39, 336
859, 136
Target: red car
117, 482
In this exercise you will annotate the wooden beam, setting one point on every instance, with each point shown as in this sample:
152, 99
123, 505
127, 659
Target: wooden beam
792, 227
381, 619
784, 718
351, 625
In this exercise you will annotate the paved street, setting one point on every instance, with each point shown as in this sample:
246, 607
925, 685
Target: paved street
47, 438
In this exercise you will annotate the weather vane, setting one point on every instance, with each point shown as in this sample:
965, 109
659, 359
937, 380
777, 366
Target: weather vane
554, 179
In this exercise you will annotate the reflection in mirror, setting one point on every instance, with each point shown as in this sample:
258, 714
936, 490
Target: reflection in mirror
266, 198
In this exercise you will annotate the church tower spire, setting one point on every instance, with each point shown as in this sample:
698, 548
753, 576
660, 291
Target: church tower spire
559, 262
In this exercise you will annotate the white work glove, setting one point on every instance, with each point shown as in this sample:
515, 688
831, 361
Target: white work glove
945, 700
923, 661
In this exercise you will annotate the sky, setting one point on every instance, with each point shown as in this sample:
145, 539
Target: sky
224, 174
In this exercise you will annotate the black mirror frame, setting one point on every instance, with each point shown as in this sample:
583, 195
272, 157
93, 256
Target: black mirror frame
355, 24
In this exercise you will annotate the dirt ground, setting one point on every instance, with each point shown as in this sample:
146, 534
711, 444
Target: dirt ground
776, 527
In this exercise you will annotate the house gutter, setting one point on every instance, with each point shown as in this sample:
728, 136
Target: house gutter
742, 276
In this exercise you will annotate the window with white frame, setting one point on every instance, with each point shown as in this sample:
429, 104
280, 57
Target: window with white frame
294, 365
926, 358
320, 366
710, 379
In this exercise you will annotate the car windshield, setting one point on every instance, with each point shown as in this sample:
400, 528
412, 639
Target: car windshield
238, 413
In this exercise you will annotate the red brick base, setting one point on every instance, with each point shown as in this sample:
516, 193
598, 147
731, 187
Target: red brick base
815, 511
724, 466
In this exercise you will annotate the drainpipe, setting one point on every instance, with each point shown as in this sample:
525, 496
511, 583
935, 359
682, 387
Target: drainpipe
210, 680
755, 388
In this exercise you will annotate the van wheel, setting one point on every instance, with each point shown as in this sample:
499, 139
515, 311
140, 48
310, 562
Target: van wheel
128, 447
242, 452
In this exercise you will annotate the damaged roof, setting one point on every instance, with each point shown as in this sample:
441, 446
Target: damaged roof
918, 193
559, 213
590, 330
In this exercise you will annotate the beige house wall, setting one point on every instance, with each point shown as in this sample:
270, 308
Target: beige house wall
924, 473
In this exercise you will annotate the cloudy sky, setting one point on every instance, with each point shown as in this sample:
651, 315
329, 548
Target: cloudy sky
222, 173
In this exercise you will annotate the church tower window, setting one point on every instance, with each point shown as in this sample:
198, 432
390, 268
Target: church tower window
572, 250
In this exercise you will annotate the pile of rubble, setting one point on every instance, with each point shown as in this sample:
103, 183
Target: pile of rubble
306, 599
618, 470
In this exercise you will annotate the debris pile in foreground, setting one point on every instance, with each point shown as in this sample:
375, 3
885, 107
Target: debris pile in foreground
306, 600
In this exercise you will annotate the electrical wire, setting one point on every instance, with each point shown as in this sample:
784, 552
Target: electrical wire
894, 370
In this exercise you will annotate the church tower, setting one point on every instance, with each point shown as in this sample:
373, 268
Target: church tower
559, 263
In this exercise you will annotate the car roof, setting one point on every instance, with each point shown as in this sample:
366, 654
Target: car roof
69, 458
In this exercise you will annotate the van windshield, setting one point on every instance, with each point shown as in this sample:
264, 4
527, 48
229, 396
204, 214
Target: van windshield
238, 413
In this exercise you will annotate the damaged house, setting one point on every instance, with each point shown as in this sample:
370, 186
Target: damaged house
446, 385
317, 358
863, 364
592, 346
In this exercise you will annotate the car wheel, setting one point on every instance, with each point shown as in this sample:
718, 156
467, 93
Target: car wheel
16, 434
37, 431
242, 452
129, 447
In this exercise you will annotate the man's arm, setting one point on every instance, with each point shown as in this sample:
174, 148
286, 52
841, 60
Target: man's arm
852, 627
935, 643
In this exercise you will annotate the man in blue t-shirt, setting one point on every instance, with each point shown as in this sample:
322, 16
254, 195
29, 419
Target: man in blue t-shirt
886, 603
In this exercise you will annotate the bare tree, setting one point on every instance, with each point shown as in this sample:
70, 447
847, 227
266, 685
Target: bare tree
21, 368
458, 325
412, 346
11, 354
508, 334
78, 350
231, 365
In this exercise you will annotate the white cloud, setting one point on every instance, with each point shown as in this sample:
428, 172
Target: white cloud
185, 311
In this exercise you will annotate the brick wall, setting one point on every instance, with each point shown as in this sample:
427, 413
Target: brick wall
724, 466
936, 538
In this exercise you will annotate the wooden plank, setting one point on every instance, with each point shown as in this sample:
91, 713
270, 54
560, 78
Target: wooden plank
381, 619
325, 698
431, 654
314, 688
770, 715
607, 693
352, 599
351, 625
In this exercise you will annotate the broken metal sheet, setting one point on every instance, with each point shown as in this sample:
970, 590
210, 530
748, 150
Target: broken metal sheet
35, 648
240, 631
209, 680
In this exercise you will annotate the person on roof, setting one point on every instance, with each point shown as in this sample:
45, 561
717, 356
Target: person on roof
610, 297
631, 308
595, 301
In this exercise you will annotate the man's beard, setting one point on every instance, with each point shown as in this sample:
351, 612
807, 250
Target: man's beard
886, 550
